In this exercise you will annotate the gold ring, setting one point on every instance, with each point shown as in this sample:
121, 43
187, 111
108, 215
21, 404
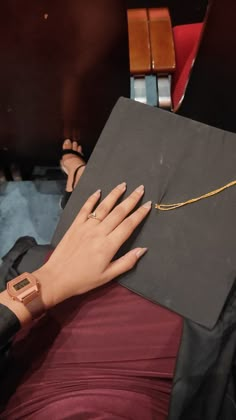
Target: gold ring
93, 216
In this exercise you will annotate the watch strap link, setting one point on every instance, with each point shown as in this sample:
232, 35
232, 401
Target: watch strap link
36, 307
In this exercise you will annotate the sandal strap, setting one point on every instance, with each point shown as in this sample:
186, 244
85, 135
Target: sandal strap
72, 152
75, 173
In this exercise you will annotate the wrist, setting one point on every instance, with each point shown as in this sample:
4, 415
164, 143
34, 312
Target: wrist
24, 296
48, 295
50, 290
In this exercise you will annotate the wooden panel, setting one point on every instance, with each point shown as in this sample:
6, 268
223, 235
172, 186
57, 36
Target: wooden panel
139, 44
161, 38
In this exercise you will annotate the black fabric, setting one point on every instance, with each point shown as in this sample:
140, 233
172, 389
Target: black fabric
190, 266
9, 326
10, 262
25, 255
204, 385
34, 258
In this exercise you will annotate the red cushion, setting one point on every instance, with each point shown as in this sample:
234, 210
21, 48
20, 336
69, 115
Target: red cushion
186, 39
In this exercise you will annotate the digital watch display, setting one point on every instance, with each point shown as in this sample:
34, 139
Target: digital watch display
26, 289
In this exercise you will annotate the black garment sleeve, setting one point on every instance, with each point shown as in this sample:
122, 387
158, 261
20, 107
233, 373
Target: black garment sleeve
9, 325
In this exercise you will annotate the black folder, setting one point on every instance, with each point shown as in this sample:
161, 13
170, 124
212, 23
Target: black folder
190, 266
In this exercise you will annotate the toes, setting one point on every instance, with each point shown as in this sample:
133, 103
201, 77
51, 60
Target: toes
67, 144
79, 149
75, 145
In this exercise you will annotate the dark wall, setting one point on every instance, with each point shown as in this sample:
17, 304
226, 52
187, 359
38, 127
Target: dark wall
211, 91
64, 64
182, 11
46, 64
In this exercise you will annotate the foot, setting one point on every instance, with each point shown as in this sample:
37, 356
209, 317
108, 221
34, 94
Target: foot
70, 163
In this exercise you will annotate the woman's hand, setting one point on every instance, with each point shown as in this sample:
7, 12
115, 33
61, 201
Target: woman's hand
83, 259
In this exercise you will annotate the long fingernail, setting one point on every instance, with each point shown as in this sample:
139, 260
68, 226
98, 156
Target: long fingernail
140, 252
98, 192
140, 189
122, 186
147, 205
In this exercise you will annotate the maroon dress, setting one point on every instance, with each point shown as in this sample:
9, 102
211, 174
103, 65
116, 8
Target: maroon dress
109, 354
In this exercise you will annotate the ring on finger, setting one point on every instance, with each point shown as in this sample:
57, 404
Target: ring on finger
93, 216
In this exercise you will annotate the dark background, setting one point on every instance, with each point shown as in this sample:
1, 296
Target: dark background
34, 54
182, 11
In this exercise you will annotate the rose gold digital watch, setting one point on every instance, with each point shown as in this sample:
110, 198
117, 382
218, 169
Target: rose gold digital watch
26, 289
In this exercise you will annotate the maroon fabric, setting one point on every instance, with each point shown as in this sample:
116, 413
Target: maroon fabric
107, 355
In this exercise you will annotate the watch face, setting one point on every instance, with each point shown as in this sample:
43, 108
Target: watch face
26, 289
23, 288
21, 284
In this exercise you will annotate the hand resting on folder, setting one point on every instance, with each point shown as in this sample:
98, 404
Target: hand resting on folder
83, 259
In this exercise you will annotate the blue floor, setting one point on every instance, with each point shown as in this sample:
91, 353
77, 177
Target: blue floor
28, 208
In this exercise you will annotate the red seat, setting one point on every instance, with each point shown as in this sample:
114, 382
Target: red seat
186, 40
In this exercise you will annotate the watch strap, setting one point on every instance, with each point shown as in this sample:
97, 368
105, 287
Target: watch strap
36, 307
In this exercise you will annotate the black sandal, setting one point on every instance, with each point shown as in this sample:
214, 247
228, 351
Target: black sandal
72, 152
67, 194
